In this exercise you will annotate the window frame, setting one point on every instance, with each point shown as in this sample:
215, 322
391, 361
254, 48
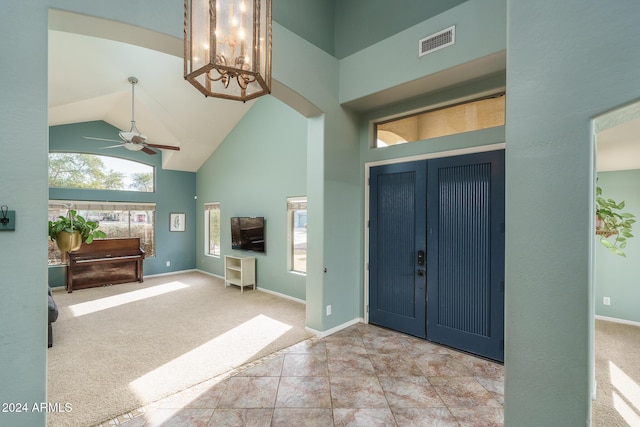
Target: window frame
209, 206
294, 204
150, 169
91, 205
434, 109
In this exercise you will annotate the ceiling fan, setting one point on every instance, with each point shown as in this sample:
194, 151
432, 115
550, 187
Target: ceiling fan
133, 140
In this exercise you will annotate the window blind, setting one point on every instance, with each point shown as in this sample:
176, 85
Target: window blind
101, 206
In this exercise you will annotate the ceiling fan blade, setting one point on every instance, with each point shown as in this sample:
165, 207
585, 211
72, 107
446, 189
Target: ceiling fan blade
165, 147
113, 146
148, 150
101, 139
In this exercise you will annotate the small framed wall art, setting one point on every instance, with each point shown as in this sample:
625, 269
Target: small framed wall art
176, 221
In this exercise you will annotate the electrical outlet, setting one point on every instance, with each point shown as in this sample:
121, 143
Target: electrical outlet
606, 301
168, 263
329, 310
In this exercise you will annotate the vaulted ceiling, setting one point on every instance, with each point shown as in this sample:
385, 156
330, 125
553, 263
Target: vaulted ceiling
88, 81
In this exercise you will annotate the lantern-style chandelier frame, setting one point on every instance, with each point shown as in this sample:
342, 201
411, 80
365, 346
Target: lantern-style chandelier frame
227, 47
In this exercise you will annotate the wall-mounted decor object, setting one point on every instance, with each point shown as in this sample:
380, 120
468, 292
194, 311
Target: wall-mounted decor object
7, 219
176, 221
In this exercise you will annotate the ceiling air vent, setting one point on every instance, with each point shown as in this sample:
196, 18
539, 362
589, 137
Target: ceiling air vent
437, 41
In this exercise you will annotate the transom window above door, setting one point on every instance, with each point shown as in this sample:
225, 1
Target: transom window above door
479, 114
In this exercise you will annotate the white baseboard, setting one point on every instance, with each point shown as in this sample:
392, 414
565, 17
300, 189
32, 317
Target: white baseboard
258, 288
210, 274
170, 273
322, 334
616, 320
278, 294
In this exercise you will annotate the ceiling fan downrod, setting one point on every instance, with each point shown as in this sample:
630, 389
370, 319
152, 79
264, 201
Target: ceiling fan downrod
133, 81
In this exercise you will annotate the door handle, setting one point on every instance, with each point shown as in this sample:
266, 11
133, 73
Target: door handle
420, 261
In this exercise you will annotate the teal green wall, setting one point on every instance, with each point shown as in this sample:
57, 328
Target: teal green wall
567, 63
333, 183
617, 277
313, 20
24, 189
260, 163
344, 27
394, 61
174, 192
362, 23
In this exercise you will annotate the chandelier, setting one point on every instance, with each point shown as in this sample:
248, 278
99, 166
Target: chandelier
227, 47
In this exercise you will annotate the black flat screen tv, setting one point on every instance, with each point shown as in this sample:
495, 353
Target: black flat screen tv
247, 233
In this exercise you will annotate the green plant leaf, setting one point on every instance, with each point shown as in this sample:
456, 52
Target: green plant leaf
619, 252
606, 243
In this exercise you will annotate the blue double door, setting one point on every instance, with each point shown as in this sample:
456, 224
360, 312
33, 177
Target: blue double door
436, 255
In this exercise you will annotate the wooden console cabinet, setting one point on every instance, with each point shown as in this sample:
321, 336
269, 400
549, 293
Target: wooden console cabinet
239, 271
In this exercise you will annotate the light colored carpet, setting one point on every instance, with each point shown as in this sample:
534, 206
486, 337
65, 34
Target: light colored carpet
119, 347
617, 375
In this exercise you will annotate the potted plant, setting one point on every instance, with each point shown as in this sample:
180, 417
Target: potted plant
69, 232
611, 221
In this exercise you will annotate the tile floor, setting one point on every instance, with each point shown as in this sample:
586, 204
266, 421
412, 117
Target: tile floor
361, 376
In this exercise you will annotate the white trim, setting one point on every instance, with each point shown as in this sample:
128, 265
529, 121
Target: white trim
210, 206
367, 174
278, 294
210, 274
285, 296
616, 320
439, 154
322, 334
170, 273
73, 204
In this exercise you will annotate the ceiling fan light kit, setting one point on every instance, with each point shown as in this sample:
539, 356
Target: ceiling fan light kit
133, 140
227, 47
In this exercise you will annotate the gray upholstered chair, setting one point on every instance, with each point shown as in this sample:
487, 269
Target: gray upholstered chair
53, 316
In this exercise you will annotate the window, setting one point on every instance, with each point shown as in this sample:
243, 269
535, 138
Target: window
469, 116
297, 238
212, 228
117, 220
80, 170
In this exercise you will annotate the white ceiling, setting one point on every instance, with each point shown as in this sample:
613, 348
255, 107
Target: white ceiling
619, 147
88, 81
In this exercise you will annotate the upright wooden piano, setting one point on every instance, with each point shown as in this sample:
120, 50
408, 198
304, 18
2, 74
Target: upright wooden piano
105, 262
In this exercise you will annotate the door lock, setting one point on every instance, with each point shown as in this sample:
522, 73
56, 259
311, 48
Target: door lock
420, 272
421, 258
